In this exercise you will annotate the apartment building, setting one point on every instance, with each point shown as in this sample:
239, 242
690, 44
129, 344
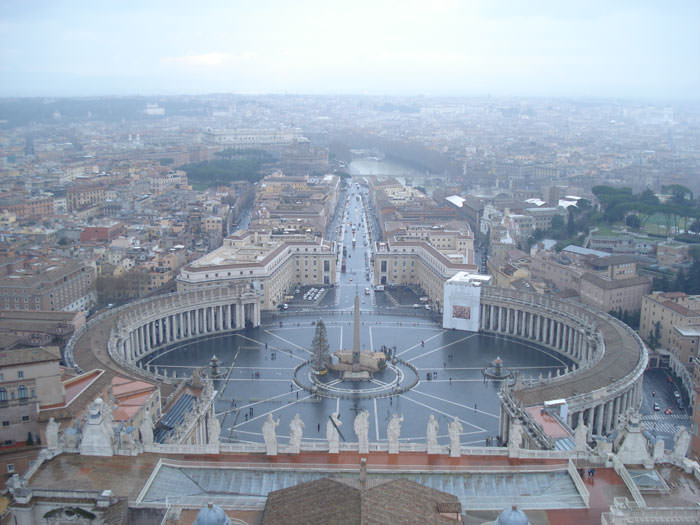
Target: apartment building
106, 231
273, 263
84, 196
426, 258
47, 284
29, 377
678, 318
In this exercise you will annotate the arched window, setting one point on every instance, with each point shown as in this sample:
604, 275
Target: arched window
22, 392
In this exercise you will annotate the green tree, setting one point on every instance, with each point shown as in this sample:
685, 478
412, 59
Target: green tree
320, 350
679, 282
570, 226
632, 220
695, 226
649, 198
678, 193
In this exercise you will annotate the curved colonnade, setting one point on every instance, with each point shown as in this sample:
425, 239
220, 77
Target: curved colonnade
610, 358
150, 326
604, 383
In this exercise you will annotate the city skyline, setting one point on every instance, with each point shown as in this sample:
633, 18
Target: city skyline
628, 50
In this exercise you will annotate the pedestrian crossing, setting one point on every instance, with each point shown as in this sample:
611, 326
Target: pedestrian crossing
665, 424
663, 417
662, 427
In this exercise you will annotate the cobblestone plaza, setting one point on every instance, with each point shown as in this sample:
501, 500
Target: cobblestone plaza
256, 370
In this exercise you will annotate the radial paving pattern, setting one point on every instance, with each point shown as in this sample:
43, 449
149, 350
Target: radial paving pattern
257, 370
258, 366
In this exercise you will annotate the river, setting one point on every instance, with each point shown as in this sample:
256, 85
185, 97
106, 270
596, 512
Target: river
390, 168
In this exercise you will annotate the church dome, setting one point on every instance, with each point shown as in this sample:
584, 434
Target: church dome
512, 516
212, 515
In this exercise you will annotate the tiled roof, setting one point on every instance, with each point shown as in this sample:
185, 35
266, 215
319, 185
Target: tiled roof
331, 501
22, 356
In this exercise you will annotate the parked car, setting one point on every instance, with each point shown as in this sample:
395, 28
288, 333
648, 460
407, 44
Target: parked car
656, 407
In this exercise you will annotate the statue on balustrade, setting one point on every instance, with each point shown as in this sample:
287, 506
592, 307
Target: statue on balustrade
361, 426
296, 431
432, 435
455, 430
332, 434
393, 432
270, 435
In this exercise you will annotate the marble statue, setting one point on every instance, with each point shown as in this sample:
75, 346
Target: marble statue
581, 437
127, 442
455, 431
332, 433
146, 430
108, 419
70, 438
52, 434
393, 431
515, 435
270, 435
361, 426
214, 428
681, 442
432, 435
296, 431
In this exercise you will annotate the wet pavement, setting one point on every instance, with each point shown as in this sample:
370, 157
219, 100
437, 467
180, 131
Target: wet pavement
257, 366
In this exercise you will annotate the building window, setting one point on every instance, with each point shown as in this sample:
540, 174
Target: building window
5, 423
20, 374
25, 418
22, 392
10, 468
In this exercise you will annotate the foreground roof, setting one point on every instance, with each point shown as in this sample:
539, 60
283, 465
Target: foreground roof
328, 500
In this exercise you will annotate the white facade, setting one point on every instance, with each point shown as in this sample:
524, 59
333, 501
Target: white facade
462, 301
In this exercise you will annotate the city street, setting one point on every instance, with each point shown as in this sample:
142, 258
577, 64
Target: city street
659, 388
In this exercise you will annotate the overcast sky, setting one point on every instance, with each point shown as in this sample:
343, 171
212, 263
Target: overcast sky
630, 49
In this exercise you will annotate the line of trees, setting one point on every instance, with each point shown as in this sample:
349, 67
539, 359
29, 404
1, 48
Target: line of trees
686, 280
233, 165
681, 211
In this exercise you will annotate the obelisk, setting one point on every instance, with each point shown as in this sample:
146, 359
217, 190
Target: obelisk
356, 337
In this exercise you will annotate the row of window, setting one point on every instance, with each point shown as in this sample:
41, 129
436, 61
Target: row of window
21, 393
20, 375
25, 419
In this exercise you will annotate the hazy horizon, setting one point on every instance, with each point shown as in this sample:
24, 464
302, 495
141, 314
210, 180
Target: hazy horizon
628, 50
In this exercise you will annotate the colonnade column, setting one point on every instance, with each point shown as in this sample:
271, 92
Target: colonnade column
599, 419
240, 320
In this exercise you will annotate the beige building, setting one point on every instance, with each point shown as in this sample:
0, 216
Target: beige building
84, 196
607, 283
614, 294
424, 257
678, 318
47, 284
295, 203
29, 378
274, 264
